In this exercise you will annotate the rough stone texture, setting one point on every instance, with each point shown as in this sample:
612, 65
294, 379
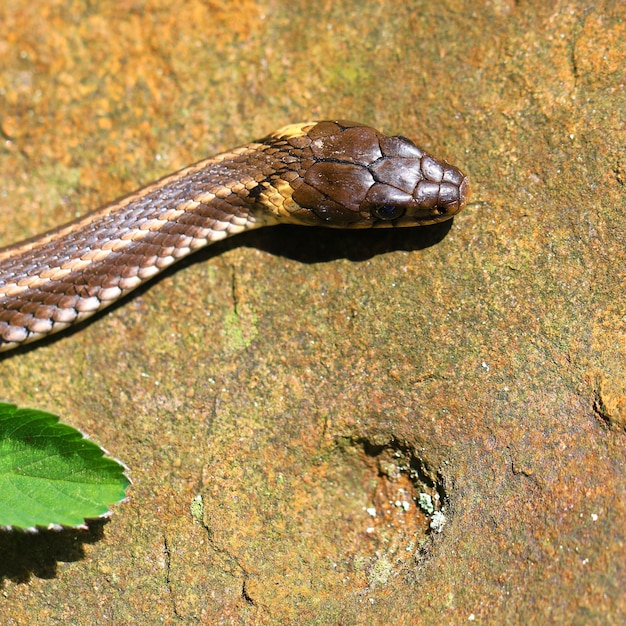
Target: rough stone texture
300, 380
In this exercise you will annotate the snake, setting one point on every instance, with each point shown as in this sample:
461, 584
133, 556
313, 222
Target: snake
338, 173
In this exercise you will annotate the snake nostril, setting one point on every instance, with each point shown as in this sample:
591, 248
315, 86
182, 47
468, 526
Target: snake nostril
464, 192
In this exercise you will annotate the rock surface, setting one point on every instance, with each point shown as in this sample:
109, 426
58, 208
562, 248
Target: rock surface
284, 399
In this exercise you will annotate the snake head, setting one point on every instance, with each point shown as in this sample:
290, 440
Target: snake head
350, 175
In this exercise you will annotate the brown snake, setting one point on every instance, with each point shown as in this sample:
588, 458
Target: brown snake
337, 174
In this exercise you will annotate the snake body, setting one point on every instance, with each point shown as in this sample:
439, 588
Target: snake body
338, 174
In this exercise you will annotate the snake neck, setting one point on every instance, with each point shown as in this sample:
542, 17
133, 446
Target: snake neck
59, 278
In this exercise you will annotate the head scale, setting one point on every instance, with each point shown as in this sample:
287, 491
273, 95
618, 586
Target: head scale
350, 175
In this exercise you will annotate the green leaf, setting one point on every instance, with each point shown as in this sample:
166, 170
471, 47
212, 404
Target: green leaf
50, 475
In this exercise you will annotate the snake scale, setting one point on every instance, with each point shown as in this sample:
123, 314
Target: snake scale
334, 173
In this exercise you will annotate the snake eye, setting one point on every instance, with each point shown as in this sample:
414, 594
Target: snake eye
387, 212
